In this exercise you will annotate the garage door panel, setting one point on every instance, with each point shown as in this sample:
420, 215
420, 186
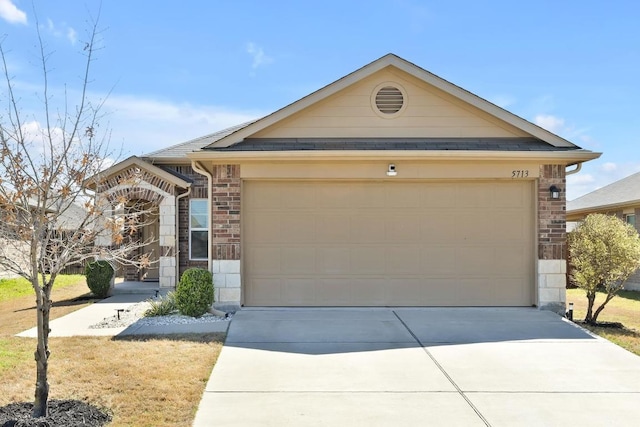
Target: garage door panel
333, 260
368, 197
438, 196
367, 229
472, 196
269, 196
373, 291
388, 243
367, 260
512, 196
334, 291
403, 228
299, 197
437, 261
297, 260
264, 291
334, 195
402, 197
402, 260
299, 291
511, 260
264, 228
297, 229
438, 227
512, 227
264, 260
333, 228
471, 261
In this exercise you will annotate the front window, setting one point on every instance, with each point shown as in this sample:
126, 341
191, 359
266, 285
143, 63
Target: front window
198, 229
630, 219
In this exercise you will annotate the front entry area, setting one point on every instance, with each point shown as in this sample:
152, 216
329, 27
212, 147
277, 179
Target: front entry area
337, 243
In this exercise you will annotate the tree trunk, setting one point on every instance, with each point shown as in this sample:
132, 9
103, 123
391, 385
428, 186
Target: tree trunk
597, 312
591, 298
43, 303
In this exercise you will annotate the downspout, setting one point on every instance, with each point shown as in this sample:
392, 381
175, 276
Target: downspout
202, 171
177, 243
576, 170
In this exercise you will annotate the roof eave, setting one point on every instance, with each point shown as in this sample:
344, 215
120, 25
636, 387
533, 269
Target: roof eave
554, 157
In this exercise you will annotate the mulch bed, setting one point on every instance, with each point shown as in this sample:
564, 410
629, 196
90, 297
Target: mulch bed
63, 413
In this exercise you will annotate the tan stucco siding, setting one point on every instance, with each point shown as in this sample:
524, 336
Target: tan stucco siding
429, 112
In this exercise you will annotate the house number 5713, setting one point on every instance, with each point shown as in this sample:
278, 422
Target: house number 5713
524, 173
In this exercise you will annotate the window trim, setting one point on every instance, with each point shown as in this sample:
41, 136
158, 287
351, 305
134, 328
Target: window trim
191, 229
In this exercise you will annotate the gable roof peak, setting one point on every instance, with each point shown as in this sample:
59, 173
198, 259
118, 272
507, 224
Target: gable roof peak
410, 68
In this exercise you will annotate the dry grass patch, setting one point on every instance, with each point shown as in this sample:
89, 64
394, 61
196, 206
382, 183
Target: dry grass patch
625, 309
142, 381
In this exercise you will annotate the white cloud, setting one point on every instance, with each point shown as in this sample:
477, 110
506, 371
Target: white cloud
144, 125
551, 123
580, 184
61, 30
596, 175
10, 13
258, 55
72, 35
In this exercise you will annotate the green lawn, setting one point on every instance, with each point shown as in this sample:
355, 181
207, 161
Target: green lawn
624, 308
16, 288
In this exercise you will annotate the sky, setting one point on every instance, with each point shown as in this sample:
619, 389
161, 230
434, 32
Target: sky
171, 71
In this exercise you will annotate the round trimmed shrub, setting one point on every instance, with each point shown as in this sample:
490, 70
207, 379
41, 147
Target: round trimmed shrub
99, 275
194, 294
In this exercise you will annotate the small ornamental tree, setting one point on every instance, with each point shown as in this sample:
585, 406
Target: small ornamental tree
48, 218
605, 252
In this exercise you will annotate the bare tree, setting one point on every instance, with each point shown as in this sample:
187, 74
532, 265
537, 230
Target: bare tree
43, 171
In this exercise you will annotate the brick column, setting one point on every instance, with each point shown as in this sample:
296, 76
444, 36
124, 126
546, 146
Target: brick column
225, 206
552, 240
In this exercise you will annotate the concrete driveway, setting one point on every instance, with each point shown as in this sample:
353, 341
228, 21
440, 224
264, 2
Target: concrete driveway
418, 367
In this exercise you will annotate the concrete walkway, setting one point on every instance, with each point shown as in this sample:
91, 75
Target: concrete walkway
417, 367
77, 323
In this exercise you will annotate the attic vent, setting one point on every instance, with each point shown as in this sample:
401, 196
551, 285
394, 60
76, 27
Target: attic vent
389, 100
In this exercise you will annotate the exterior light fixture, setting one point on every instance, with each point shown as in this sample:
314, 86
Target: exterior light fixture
570, 312
391, 171
555, 192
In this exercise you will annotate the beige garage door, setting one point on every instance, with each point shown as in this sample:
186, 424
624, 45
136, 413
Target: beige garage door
388, 244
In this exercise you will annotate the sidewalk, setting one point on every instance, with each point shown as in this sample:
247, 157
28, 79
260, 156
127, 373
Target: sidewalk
78, 322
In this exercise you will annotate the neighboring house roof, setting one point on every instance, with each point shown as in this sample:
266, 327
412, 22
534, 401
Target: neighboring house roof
179, 151
410, 68
71, 217
620, 193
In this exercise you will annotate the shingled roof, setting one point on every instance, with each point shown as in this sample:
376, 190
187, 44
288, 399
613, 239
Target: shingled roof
624, 191
181, 150
471, 144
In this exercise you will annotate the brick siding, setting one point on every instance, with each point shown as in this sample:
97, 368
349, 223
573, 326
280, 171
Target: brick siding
552, 236
226, 212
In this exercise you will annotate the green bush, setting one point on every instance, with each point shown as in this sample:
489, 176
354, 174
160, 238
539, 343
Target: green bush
99, 274
162, 306
194, 294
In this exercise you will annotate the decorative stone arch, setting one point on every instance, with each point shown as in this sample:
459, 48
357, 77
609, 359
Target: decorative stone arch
135, 179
